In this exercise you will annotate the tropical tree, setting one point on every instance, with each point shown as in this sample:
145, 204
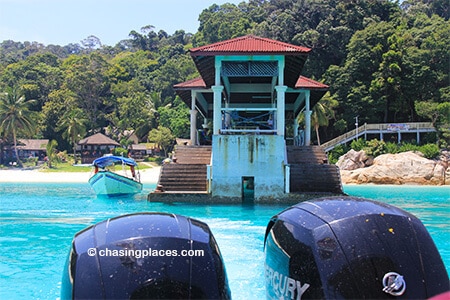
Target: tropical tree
73, 123
147, 40
156, 103
163, 137
37, 76
176, 118
322, 113
15, 116
218, 23
51, 152
85, 77
60, 101
91, 42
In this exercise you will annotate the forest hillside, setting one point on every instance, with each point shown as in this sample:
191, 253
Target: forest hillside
385, 61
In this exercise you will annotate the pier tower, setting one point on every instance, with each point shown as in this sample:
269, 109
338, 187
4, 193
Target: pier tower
245, 104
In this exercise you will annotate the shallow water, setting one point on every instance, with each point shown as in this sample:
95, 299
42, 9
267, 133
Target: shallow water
38, 222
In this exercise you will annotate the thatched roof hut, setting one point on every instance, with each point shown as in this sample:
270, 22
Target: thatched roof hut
95, 146
98, 139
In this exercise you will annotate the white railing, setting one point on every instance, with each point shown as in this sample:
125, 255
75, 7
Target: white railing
262, 121
378, 128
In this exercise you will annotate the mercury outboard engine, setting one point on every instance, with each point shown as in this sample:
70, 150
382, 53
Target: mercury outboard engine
350, 248
145, 256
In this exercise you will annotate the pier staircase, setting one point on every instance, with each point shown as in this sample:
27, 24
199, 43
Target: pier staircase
188, 173
310, 171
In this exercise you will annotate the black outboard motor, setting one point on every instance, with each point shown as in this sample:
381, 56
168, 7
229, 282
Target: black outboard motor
350, 248
145, 256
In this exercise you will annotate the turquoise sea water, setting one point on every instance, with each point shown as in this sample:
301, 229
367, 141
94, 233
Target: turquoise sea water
38, 222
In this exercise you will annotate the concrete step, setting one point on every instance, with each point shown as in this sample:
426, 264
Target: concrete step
188, 173
315, 178
306, 154
193, 154
183, 177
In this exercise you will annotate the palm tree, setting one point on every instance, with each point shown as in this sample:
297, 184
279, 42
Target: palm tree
15, 116
155, 103
51, 152
73, 123
322, 112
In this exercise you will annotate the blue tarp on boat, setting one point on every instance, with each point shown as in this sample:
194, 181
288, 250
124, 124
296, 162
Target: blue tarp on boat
111, 159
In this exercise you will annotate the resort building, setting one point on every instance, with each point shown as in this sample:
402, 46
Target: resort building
245, 140
95, 146
26, 148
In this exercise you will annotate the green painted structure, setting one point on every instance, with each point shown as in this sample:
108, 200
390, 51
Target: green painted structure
245, 105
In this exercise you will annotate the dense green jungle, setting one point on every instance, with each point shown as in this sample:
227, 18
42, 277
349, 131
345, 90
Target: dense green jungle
385, 61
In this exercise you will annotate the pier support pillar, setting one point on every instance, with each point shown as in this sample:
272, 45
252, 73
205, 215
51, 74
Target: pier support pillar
217, 115
193, 113
281, 106
287, 179
308, 113
296, 140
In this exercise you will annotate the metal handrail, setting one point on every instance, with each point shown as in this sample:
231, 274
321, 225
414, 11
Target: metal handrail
257, 124
374, 128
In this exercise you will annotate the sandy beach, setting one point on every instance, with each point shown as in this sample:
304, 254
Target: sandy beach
147, 176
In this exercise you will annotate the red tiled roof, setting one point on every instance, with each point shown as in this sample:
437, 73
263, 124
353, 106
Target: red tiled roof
308, 83
191, 84
302, 82
249, 44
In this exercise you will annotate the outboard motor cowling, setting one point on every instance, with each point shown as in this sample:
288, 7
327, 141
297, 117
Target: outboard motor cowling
350, 248
145, 256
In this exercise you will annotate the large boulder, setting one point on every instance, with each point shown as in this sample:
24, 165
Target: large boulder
353, 160
401, 168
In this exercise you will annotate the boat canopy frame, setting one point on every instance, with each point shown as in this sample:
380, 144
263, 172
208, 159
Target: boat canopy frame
109, 160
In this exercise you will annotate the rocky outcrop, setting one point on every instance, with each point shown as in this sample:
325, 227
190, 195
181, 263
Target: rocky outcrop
401, 168
353, 160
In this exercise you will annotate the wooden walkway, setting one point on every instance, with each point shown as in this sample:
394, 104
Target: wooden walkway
380, 129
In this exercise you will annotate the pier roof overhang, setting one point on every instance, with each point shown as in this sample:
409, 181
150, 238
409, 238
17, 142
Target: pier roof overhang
204, 93
250, 45
249, 73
